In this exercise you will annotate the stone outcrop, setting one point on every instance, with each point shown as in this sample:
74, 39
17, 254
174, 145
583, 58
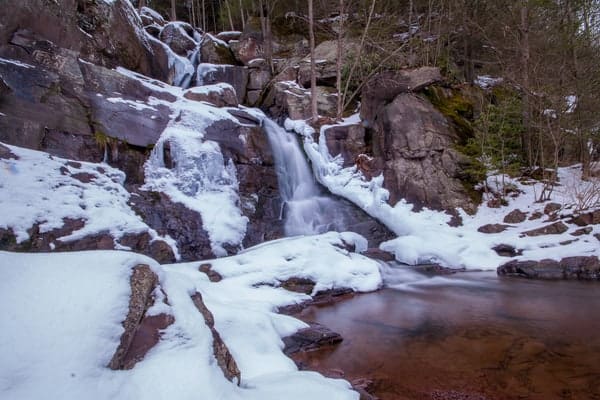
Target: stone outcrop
326, 68
215, 51
580, 267
104, 33
347, 141
142, 331
289, 99
179, 36
236, 76
220, 95
224, 358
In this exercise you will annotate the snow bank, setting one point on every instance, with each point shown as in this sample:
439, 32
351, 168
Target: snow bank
38, 188
64, 314
426, 237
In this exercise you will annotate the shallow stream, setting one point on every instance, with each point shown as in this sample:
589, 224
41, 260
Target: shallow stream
467, 336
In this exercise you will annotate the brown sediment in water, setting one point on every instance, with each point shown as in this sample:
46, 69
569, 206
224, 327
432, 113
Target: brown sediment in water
465, 339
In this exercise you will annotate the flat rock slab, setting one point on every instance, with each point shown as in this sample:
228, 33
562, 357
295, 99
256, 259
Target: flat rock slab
553, 229
311, 338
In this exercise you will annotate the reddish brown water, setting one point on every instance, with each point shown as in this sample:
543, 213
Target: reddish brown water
473, 336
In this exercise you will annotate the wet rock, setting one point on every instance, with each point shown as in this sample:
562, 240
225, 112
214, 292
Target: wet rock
347, 141
143, 281
493, 228
215, 51
253, 97
179, 37
311, 338
224, 358
154, 30
506, 250
515, 217
551, 208
580, 267
147, 335
378, 254
213, 276
246, 49
588, 218
220, 95
236, 76
553, 229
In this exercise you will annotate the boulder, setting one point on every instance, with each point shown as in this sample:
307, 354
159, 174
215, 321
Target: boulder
289, 99
551, 208
246, 49
493, 228
149, 17
236, 76
179, 37
259, 78
326, 60
386, 86
506, 250
311, 338
588, 218
215, 51
104, 33
579, 267
414, 143
556, 228
220, 94
515, 217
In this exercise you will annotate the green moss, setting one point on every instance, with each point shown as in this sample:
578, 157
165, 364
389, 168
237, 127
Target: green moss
454, 106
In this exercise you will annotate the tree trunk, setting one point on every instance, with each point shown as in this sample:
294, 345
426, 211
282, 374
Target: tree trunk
141, 4
229, 15
242, 14
526, 140
173, 11
313, 72
340, 63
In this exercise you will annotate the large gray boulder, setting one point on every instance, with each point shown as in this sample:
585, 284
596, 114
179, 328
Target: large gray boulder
215, 51
413, 142
326, 62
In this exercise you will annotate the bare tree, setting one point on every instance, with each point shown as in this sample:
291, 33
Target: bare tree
173, 11
313, 72
339, 61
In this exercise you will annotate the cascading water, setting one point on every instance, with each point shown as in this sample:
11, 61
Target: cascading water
306, 210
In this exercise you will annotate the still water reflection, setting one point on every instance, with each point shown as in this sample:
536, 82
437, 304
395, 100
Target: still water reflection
470, 336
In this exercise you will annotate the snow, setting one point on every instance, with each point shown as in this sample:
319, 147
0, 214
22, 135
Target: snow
183, 69
15, 62
425, 237
39, 188
64, 314
486, 81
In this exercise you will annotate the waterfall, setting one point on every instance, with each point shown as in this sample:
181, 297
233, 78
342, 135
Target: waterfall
306, 210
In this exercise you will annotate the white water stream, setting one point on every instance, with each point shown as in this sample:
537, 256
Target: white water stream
306, 210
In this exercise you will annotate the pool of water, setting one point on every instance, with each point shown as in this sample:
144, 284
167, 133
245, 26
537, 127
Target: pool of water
468, 336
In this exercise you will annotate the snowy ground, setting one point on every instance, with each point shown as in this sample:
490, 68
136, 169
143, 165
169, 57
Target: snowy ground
37, 188
63, 316
426, 237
